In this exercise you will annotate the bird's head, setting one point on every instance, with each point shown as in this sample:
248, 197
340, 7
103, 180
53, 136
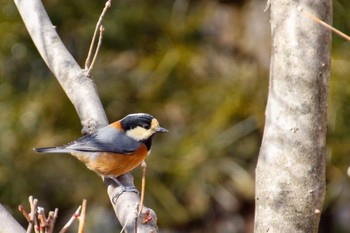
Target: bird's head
141, 126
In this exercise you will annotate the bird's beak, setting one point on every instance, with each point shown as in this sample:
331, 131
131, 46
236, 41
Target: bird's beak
161, 130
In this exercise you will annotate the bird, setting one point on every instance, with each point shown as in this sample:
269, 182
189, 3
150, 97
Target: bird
115, 149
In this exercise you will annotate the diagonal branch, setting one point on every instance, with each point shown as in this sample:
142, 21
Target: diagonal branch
82, 92
7, 223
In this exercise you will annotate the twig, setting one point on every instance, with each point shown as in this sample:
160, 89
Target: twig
42, 219
33, 208
143, 185
136, 215
318, 20
82, 217
24, 212
37, 219
98, 25
97, 49
129, 217
52, 220
71, 220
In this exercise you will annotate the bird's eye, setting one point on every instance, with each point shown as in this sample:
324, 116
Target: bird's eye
146, 126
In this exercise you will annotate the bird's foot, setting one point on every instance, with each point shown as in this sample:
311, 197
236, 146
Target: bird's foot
122, 189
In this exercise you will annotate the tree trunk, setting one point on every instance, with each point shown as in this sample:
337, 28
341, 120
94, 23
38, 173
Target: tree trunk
290, 174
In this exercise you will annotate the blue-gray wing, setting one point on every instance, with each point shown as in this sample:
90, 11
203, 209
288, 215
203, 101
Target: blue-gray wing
107, 139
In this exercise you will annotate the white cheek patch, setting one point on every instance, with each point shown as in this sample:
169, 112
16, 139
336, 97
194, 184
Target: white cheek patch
139, 133
154, 124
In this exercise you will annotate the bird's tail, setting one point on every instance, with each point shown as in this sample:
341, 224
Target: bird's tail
52, 150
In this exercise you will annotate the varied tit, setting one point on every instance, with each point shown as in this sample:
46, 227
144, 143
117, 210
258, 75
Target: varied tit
115, 149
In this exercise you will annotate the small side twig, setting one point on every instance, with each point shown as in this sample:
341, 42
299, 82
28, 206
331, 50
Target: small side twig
318, 20
136, 216
91, 66
52, 220
24, 212
129, 217
42, 219
71, 220
33, 208
88, 63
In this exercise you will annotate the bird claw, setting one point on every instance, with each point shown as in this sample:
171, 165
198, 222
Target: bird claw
122, 189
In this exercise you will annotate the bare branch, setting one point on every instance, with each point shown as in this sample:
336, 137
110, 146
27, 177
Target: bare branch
318, 20
52, 220
80, 89
24, 212
71, 220
82, 217
82, 92
88, 63
97, 50
33, 208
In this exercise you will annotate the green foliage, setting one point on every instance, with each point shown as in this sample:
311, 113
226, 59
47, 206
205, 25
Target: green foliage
168, 58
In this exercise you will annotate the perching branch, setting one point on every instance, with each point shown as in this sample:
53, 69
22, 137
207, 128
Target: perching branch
124, 207
80, 89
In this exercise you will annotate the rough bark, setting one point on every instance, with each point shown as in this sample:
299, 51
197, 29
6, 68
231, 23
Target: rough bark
290, 174
82, 92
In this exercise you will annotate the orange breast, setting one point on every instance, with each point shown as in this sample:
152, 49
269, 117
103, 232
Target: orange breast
113, 164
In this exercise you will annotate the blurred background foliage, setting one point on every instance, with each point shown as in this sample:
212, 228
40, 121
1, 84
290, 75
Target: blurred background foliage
200, 67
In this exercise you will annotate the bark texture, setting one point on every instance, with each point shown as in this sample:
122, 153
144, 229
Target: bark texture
290, 174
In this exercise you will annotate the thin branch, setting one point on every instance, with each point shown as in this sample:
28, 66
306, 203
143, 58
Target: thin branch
52, 220
129, 218
318, 20
82, 217
136, 215
143, 185
33, 211
71, 220
42, 219
97, 49
24, 212
88, 65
